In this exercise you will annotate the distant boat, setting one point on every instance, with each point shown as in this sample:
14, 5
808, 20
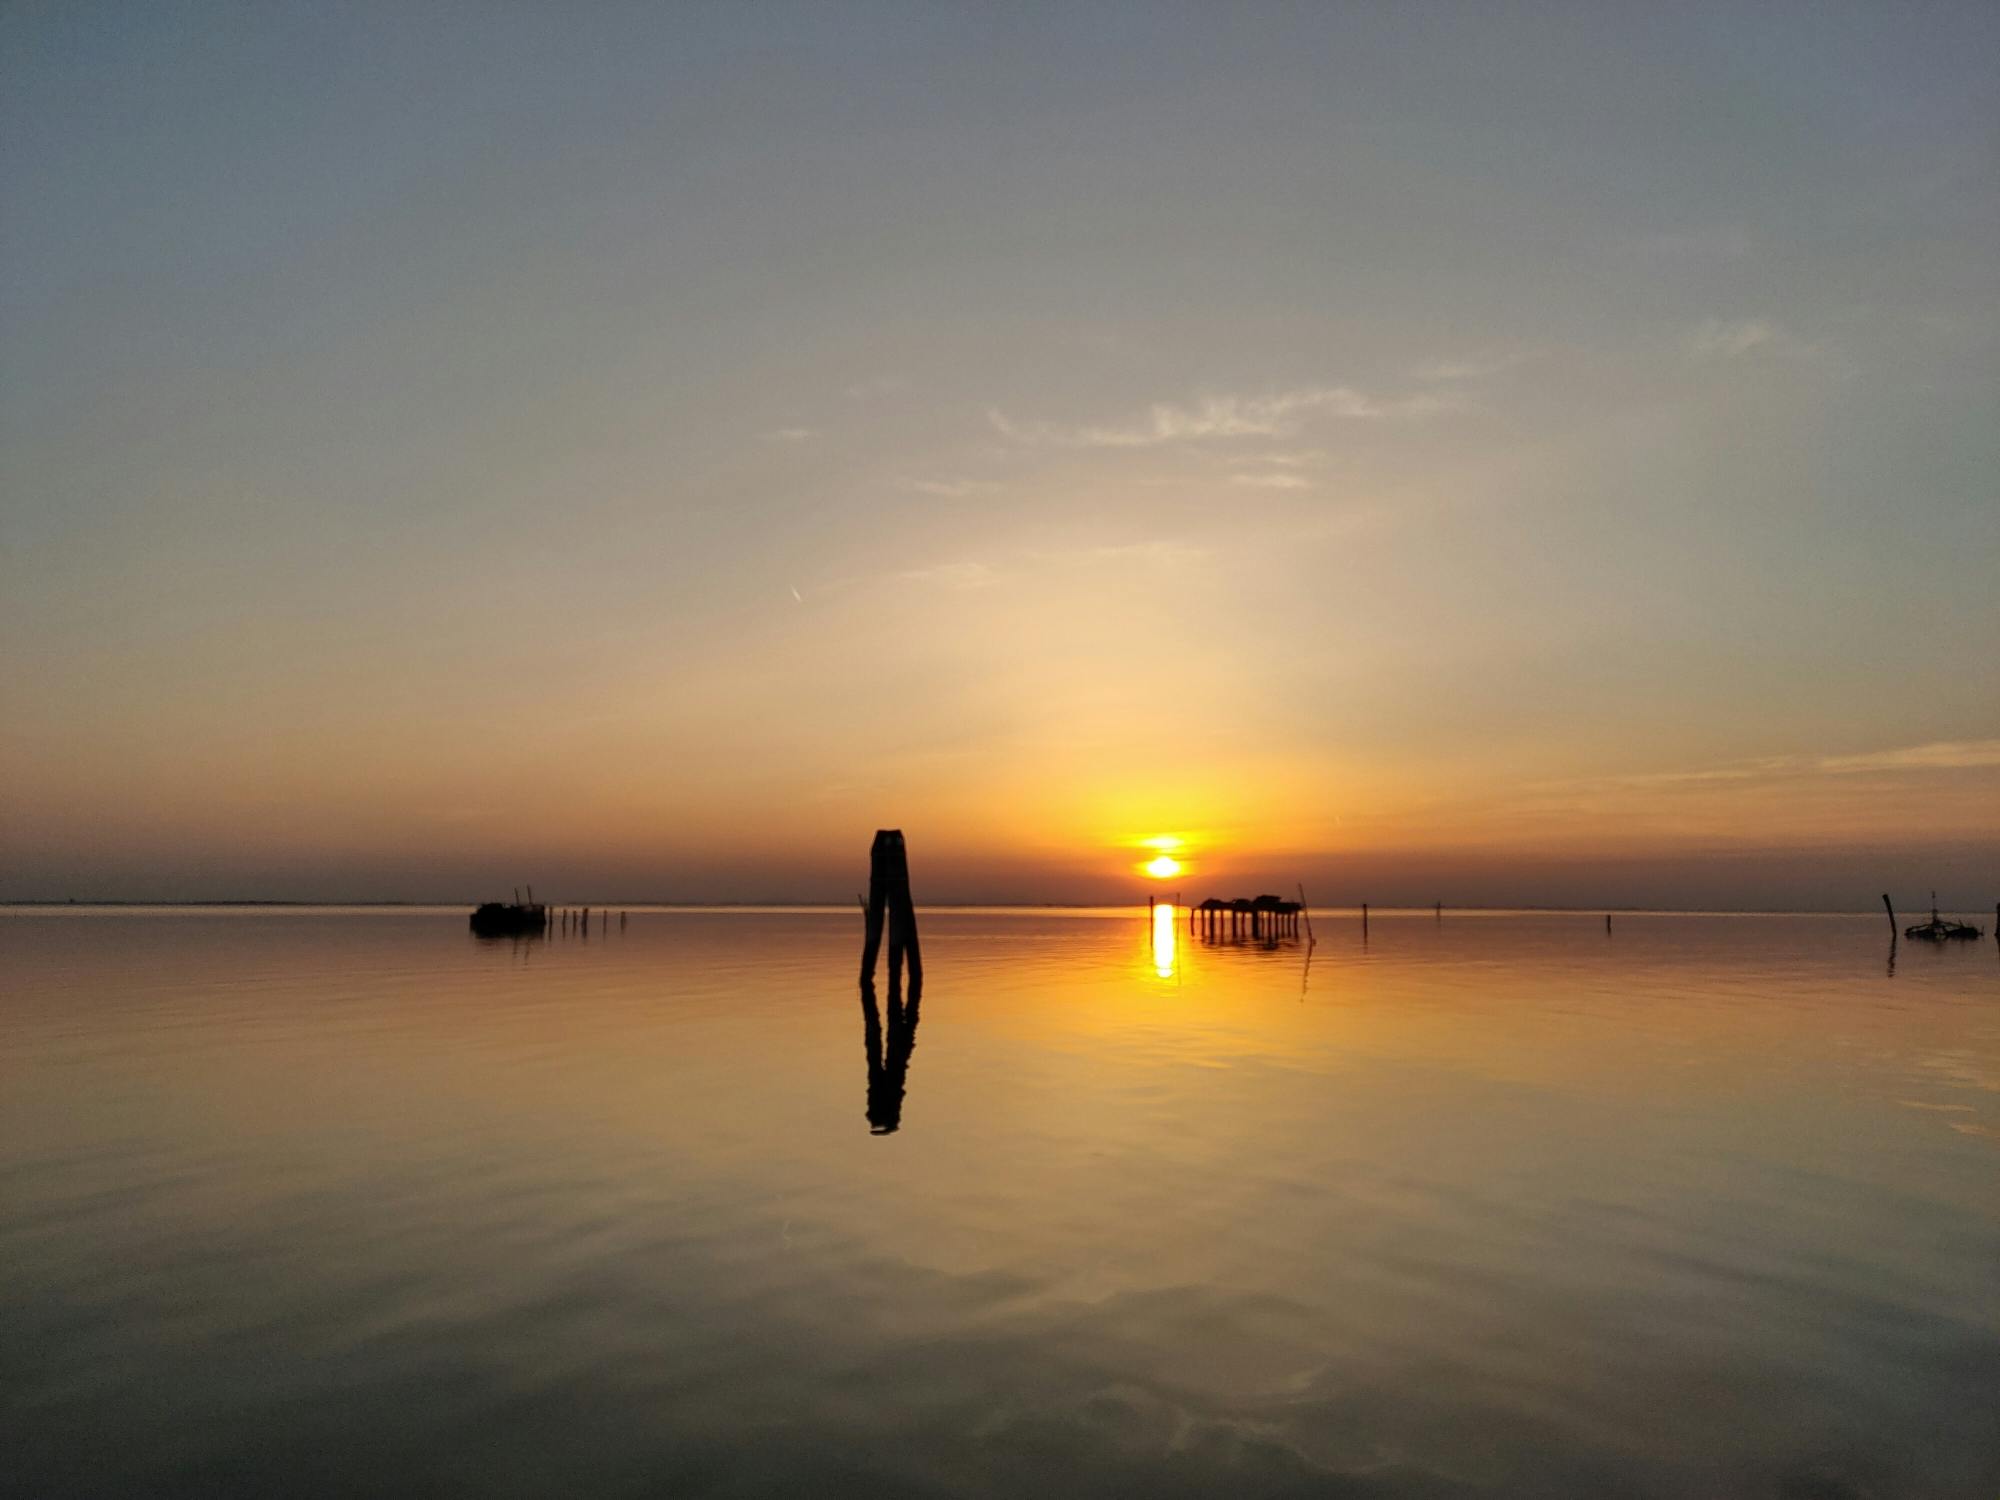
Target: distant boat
1939, 930
511, 918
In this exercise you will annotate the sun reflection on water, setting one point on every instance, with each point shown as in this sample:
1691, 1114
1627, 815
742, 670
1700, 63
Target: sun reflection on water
1166, 933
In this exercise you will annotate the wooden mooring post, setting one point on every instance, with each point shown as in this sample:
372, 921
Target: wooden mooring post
889, 901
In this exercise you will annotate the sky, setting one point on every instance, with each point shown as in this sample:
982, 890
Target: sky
1504, 454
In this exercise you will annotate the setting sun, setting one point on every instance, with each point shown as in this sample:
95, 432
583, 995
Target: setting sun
1164, 868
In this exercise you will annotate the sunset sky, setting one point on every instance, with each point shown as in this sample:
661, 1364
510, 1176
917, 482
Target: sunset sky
1503, 454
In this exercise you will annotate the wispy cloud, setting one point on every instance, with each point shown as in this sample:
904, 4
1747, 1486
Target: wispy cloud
1274, 479
1159, 552
790, 434
949, 489
1740, 338
1939, 755
1277, 415
1154, 553
952, 575
1942, 755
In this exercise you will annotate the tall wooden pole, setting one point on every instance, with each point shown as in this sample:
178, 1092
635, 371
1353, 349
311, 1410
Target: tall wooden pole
889, 901
877, 906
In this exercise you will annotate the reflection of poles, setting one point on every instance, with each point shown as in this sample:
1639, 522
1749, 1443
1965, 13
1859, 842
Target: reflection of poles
888, 1072
889, 899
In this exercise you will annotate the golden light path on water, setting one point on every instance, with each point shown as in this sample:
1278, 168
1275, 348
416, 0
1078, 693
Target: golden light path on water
1166, 933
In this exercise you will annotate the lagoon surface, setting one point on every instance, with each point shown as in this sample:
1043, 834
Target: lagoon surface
346, 1202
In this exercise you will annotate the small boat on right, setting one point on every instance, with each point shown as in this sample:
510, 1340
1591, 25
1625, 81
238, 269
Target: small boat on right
1940, 930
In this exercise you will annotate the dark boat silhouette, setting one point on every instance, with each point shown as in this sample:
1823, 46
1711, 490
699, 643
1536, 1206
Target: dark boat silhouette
1939, 930
510, 919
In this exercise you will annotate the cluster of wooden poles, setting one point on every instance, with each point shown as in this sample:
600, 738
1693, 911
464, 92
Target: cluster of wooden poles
1267, 918
888, 910
889, 905
577, 919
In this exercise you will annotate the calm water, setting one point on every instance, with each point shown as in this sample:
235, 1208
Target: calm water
310, 1203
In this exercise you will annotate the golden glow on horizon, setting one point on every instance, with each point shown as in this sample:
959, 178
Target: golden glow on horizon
1166, 933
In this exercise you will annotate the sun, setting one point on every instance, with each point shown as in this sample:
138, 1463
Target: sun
1163, 847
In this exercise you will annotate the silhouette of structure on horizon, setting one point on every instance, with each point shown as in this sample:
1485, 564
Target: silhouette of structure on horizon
530, 919
1259, 918
510, 919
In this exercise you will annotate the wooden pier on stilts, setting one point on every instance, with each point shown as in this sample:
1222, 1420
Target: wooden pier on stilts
1255, 918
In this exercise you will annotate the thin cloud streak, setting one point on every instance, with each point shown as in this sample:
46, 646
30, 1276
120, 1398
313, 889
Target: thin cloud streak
1157, 551
1729, 339
949, 489
1227, 417
964, 574
1942, 755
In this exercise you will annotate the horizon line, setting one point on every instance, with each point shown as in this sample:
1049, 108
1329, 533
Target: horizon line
1355, 907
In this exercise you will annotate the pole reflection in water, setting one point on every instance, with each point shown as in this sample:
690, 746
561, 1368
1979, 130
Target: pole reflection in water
888, 1069
1166, 933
